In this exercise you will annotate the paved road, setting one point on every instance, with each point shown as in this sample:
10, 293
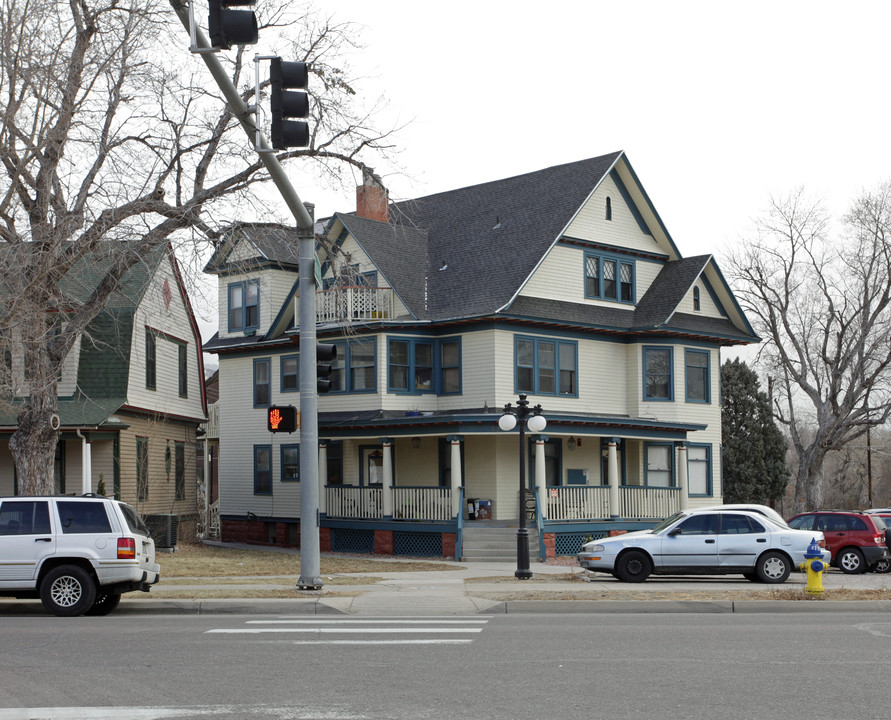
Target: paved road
701, 667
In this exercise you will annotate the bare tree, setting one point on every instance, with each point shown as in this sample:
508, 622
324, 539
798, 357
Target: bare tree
822, 304
110, 132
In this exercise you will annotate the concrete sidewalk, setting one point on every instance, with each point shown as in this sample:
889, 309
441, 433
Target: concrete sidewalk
491, 588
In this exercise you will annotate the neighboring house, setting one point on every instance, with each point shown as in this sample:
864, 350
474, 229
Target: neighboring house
562, 285
131, 395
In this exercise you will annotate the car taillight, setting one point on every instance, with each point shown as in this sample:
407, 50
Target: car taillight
821, 543
126, 549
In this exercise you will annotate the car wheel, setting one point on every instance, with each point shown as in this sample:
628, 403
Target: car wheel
633, 566
773, 567
850, 561
67, 590
882, 566
752, 577
104, 604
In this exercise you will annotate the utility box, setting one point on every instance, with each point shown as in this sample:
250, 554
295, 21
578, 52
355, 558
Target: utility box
163, 528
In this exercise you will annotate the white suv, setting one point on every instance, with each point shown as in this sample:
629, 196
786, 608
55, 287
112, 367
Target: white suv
77, 554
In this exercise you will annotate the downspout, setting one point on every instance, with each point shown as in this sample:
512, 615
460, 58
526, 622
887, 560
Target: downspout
86, 464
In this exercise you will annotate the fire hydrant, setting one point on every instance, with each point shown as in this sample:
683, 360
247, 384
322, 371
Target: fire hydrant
815, 566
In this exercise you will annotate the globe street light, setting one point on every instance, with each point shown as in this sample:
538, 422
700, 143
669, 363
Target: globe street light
532, 419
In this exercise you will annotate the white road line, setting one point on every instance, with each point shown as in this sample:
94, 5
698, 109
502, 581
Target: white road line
322, 630
357, 621
432, 641
158, 713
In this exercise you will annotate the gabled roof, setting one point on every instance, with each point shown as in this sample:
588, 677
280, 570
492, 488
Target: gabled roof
400, 253
668, 289
269, 243
104, 363
483, 241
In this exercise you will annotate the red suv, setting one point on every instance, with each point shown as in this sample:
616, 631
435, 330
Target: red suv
883, 566
855, 539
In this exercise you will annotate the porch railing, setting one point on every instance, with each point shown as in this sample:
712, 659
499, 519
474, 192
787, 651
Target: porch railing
354, 303
422, 503
577, 502
648, 502
566, 502
347, 501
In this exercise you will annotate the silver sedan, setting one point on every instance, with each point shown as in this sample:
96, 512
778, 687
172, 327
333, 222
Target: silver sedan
706, 542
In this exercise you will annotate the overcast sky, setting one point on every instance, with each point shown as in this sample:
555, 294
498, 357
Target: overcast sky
718, 105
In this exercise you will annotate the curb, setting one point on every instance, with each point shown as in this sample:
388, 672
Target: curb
510, 607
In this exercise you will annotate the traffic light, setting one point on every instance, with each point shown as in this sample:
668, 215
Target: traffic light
282, 418
229, 27
325, 354
286, 79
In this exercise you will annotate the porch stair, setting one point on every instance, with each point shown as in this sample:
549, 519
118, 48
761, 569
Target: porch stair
487, 543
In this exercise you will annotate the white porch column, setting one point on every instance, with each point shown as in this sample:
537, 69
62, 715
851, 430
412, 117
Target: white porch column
612, 472
682, 475
86, 481
455, 448
540, 475
323, 476
387, 472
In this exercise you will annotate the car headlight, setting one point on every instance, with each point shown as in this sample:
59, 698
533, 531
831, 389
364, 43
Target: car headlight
593, 548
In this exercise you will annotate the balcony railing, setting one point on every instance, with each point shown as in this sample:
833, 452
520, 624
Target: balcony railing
354, 303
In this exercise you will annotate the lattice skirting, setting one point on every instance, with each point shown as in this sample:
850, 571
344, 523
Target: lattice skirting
417, 544
571, 543
352, 541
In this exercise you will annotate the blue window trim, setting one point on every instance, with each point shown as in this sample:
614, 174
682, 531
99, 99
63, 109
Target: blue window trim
708, 374
243, 324
268, 363
282, 476
710, 490
413, 343
344, 351
672, 471
257, 450
281, 367
619, 260
658, 348
559, 346
438, 383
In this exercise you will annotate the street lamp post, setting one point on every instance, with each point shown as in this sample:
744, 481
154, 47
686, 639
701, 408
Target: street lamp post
530, 418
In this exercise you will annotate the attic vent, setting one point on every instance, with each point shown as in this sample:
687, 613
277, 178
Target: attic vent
609, 209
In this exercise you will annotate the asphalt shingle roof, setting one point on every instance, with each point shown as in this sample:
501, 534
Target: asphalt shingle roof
483, 241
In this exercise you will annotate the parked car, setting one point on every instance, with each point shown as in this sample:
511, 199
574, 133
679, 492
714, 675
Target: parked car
768, 512
77, 554
883, 566
704, 542
855, 539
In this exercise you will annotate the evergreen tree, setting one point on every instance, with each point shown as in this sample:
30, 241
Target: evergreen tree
754, 457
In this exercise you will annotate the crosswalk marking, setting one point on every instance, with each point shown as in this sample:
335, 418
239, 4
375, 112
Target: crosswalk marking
362, 630
321, 630
356, 621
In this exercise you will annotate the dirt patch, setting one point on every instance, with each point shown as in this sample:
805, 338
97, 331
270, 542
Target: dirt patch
205, 561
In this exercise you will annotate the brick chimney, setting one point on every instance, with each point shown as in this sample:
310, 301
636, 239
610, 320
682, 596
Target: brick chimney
372, 198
